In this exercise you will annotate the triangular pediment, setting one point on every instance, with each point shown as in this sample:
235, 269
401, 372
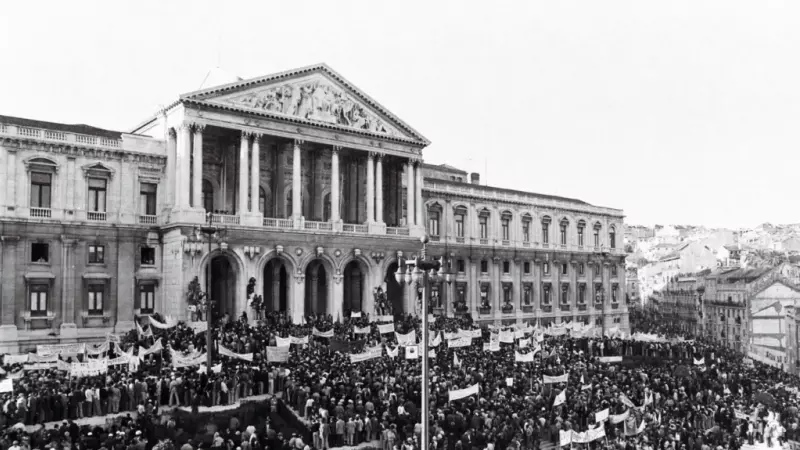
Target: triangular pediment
316, 95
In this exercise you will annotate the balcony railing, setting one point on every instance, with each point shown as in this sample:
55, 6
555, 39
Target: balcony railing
322, 226
352, 228
59, 136
41, 213
460, 240
615, 306
435, 238
565, 308
225, 219
581, 306
484, 241
547, 308
526, 244
96, 216
397, 231
506, 243
148, 220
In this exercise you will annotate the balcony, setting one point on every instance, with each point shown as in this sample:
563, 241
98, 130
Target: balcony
355, 229
506, 243
148, 220
484, 241
565, 308
58, 136
401, 231
581, 306
547, 308
526, 244
435, 238
321, 226
615, 306
225, 219
527, 308
96, 216
41, 213
283, 224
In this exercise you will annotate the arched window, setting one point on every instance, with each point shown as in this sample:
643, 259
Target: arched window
208, 196
526, 227
434, 218
581, 232
546, 229
612, 237
597, 228
326, 208
460, 216
483, 224
563, 226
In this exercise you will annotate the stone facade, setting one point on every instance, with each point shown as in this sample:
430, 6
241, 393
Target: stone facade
99, 227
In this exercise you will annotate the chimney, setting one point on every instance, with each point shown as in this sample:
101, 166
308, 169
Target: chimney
475, 178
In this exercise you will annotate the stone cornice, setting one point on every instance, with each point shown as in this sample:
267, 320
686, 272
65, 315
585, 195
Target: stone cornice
79, 150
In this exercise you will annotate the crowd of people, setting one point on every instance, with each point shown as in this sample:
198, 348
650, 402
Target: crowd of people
673, 394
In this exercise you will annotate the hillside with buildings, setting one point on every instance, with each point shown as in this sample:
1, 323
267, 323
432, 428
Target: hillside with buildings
658, 254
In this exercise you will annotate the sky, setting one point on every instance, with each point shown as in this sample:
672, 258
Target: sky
682, 112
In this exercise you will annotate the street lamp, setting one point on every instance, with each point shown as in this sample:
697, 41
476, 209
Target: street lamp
211, 234
421, 272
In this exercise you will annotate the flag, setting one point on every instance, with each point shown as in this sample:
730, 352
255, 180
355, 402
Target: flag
392, 353
699, 362
458, 394
560, 398
456, 362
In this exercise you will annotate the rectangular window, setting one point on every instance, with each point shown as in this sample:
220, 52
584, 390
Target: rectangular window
582, 293
614, 270
505, 226
41, 186
97, 195
563, 234
546, 295
614, 294
148, 256
598, 322
581, 269
527, 297
484, 266
147, 298
506, 267
546, 268
526, 267
38, 299
564, 269
597, 238
460, 225
40, 253
147, 199
461, 266
545, 233
433, 223
580, 236
564, 295
612, 240
95, 298
97, 254
484, 227
526, 231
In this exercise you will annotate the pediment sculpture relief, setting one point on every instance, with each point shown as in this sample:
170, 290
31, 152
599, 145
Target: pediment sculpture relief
318, 100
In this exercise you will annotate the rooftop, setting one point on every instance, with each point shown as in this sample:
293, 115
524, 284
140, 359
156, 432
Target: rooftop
68, 128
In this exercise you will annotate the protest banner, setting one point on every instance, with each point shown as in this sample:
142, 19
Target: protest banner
277, 354
60, 349
459, 342
458, 394
547, 379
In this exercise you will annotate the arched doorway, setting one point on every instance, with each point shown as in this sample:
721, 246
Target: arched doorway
223, 287
354, 285
394, 291
276, 285
316, 301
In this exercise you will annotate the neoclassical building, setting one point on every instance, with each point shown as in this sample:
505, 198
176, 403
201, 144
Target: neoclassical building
318, 192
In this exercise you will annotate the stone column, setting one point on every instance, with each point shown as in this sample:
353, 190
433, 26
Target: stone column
516, 287
379, 190
276, 286
126, 287
410, 195
197, 167
183, 150
473, 287
497, 287
68, 328
8, 299
70, 203
336, 309
298, 301
255, 175
370, 187
297, 177
241, 210
3, 176
280, 181
335, 178
418, 192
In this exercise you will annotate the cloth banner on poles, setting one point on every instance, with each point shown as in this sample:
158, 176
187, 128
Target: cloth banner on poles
617, 418
60, 349
409, 338
699, 362
601, 416
97, 349
111, 337
283, 342
564, 437
458, 394
519, 357
277, 354
299, 340
179, 360
392, 353
355, 315
555, 331
610, 359
6, 385
162, 325
40, 366
362, 330
198, 327
153, 348
15, 359
118, 361
459, 342
385, 318
507, 336
91, 368
386, 328
33, 357
547, 379
560, 398
370, 353
436, 340
324, 334
230, 354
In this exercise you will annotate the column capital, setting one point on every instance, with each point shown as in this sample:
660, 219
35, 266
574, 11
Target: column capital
371, 155
379, 156
183, 126
299, 142
246, 134
416, 162
9, 239
68, 241
336, 149
198, 127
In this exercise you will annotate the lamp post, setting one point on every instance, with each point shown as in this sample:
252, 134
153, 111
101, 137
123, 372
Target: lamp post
420, 272
210, 233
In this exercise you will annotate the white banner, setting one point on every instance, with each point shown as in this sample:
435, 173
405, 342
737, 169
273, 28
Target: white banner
524, 343
157, 347
555, 331
60, 349
299, 340
92, 349
519, 357
412, 352
91, 368
617, 418
547, 379
463, 393
370, 353
198, 327
162, 325
6, 385
601, 416
230, 354
362, 330
610, 359
392, 353
699, 362
507, 336
118, 361
283, 342
40, 366
409, 338
386, 318
324, 334
111, 337
15, 359
277, 354
33, 357
460, 342
355, 315
179, 360
386, 328
436, 340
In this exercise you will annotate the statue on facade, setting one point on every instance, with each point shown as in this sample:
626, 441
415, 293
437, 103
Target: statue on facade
196, 299
381, 302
